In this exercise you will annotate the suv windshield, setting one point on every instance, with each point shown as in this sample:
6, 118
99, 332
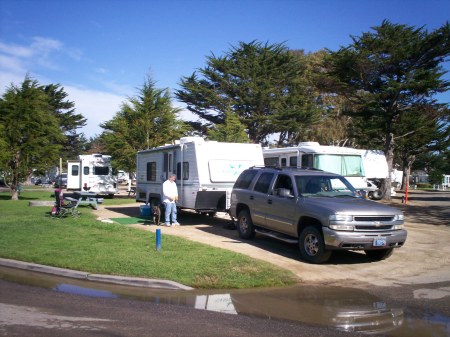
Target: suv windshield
323, 186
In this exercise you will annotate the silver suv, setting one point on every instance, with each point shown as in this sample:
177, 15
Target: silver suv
320, 211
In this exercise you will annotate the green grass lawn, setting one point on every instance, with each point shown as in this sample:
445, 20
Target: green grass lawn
31, 234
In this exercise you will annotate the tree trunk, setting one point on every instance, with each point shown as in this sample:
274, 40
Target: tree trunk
14, 193
407, 164
389, 152
405, 177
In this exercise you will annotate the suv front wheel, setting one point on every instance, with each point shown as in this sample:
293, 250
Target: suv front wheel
312, 246
245, 225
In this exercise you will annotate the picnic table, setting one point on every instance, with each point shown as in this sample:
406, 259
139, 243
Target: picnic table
85, 198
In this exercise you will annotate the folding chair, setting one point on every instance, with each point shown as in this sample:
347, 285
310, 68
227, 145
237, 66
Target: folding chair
63, 209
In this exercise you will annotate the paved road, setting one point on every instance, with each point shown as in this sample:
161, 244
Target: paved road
29, 311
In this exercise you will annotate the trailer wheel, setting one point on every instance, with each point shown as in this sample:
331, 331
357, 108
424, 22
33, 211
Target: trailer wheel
377, 195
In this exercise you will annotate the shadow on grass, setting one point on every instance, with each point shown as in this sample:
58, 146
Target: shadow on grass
8, 197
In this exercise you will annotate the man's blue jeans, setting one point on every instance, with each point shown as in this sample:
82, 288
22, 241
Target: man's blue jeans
171, 210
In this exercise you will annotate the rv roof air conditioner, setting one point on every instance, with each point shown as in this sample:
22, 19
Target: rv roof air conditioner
308, 144
192, 139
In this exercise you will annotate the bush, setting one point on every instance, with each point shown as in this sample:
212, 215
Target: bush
423, 185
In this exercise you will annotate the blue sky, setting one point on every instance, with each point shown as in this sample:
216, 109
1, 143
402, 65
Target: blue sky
101, 51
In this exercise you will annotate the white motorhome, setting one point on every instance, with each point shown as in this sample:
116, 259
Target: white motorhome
206, 171
345, 161
91, 173
376, 170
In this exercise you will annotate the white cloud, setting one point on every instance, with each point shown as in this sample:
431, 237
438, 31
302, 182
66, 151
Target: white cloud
96, 106
11, 64
15, 50
9, 77
45, 45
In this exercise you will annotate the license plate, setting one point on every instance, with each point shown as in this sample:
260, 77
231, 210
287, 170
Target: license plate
379, 242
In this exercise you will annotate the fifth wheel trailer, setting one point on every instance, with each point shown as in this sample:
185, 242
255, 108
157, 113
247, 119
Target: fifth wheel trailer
206, 172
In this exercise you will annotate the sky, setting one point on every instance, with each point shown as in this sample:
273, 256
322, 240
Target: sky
102, 51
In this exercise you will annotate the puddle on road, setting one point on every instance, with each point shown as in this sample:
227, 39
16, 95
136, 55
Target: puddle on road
343, 308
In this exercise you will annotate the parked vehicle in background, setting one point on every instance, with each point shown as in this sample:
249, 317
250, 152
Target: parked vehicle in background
206, 172
345, 161
92, 173
364, 169
376, 171
61, 180
42, 181
123, 177
320, 211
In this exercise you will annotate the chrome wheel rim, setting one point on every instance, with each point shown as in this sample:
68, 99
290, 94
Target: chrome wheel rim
311, 245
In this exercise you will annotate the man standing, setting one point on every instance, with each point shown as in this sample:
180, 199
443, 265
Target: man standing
170, 193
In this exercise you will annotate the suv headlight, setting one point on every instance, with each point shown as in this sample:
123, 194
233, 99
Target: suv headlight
341, 227
399, 217
397, 227
339, 222
341, 217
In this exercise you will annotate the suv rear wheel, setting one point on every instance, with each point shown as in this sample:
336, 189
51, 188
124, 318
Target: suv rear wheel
312, 246
245, 225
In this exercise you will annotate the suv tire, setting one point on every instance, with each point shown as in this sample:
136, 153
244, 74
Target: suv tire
312, 246
245, 225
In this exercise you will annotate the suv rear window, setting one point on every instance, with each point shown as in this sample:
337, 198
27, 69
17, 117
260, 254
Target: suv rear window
245, 179
263, 183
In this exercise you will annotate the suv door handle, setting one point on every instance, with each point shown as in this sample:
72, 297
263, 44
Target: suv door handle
269, 201
252, 197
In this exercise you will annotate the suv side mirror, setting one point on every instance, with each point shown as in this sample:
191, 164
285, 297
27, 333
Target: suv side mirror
284, 193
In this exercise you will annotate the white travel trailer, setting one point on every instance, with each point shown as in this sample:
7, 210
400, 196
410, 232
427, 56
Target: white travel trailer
345, 161
91, 173
206, 172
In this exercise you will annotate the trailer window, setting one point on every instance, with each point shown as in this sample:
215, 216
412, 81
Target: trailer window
293, 161
271, 161
307, 160
346, 165
75, 170
86, 170
185, 170
151, 171
101, 170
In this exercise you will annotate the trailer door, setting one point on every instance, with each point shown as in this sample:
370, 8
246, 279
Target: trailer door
73, 175
169, 165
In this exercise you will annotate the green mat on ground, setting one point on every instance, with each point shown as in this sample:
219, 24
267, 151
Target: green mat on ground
132, 220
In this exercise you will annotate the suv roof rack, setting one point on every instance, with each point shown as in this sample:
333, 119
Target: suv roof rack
266, 166
280, 168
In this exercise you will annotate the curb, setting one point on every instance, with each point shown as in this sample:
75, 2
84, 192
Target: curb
124, 280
